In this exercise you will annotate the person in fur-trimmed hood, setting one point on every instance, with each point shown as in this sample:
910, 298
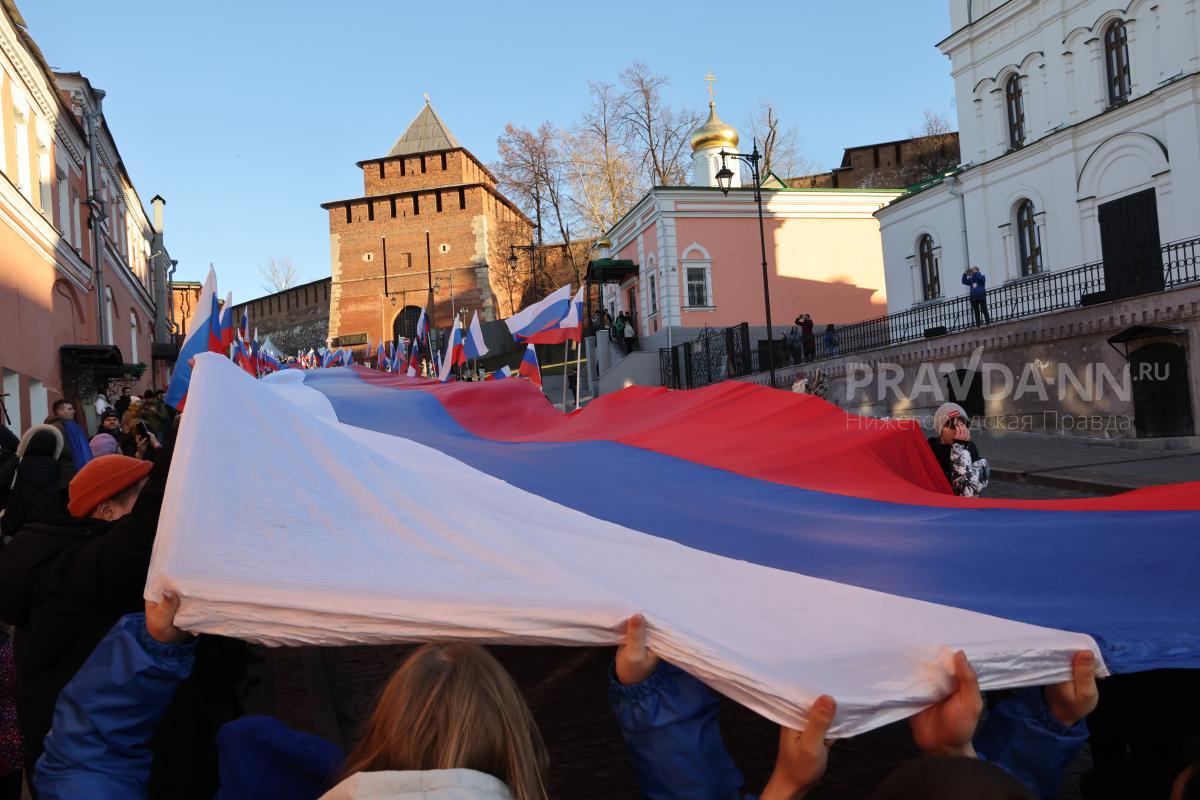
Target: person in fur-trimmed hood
32, 480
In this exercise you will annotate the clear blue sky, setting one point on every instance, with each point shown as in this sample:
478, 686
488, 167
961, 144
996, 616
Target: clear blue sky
246, 115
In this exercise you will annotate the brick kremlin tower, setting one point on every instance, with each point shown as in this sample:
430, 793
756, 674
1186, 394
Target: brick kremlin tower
426, 231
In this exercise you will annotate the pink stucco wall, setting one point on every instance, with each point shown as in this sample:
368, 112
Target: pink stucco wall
829, 267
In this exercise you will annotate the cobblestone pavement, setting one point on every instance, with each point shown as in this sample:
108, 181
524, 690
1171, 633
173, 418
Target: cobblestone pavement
332, 693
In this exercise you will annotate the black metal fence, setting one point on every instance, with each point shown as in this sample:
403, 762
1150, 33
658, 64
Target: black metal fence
1038, 294
715, 355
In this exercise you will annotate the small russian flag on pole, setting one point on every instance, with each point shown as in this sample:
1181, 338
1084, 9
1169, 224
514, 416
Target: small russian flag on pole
529, 366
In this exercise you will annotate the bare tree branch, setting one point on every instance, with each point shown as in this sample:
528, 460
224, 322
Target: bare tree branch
599, 164
779, 146
661, 133
278, 274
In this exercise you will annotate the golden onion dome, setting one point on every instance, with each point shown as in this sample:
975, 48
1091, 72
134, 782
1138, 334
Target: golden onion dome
603, 242
714, 132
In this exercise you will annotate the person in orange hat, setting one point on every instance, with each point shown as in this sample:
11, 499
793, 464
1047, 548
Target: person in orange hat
64, 581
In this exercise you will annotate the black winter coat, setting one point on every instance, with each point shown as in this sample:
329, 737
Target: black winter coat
64, 583
35, 494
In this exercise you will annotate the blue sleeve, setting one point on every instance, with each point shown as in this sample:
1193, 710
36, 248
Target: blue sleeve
1022, 736
669, 722
99, 743
262, 757
966, 279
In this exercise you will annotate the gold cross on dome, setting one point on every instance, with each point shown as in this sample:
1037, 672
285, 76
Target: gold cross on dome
711, 79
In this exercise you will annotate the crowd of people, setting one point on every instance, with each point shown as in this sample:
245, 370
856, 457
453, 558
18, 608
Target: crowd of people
103, 696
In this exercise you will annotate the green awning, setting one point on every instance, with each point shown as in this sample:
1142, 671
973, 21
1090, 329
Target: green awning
611, 270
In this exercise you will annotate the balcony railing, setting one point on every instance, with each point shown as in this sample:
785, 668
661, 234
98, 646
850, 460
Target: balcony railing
1027, 297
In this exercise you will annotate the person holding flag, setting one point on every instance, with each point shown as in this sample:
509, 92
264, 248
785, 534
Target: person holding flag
380, 364
529, 368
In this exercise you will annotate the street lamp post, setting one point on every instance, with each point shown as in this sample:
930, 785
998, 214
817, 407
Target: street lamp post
724, 180
513, 260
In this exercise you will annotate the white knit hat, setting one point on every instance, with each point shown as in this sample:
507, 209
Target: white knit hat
946, 412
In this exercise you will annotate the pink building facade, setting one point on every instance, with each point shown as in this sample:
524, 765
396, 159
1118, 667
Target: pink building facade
699, 258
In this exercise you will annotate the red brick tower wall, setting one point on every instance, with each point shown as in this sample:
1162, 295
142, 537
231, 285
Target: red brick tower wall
453, 199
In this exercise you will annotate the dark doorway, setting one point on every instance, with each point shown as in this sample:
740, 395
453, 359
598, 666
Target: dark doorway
1131, 250
405, 323
1162, 398
971, 396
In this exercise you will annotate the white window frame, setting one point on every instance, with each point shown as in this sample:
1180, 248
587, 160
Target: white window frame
706, 268
45, 170
21, 148
39, 401
696, 257
63, 187
12, 386
3, 130
108, 313
133, 337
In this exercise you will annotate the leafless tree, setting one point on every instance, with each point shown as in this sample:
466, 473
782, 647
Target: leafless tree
520, 170
534, 166
935, 147
603, 179
278, 274
779, 146
512, 278
660, 133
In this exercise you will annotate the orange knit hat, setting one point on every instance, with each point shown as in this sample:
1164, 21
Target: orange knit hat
102, 478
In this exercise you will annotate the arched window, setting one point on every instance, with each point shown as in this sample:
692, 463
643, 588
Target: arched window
108, 315
133, 338
1029, 241
931, 284
1016, 111
1116, 62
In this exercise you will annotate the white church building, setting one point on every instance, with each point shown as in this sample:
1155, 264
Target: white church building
1079, 124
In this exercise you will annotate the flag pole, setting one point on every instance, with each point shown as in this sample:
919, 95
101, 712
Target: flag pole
566, 356
578, 360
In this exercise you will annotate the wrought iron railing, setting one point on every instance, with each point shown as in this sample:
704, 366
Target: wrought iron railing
1037, 294
713, 356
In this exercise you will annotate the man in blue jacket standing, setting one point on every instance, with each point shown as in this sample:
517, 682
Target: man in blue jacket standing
978, 283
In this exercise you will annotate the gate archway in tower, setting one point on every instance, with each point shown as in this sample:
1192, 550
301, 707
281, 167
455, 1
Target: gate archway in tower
404, 324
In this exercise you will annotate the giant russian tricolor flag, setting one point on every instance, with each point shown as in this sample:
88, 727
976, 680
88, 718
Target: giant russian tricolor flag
779, 547
197, 341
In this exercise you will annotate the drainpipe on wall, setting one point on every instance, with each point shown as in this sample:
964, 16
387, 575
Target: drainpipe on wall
956, 190
96, 215
162, 292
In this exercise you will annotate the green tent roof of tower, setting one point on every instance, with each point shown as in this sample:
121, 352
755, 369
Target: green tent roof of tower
426, 134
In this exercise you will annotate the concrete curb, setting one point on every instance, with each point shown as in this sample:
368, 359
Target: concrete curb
1061, 482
